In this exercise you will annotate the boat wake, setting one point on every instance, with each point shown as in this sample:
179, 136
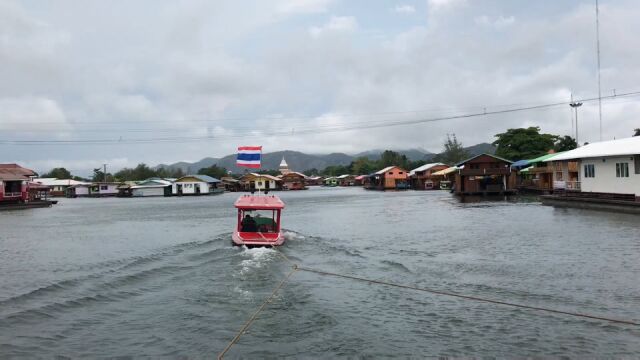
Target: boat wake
256, 258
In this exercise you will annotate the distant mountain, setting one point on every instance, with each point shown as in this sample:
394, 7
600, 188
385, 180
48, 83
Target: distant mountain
483, 148
191, 168
296, 160
299, 161
411, 154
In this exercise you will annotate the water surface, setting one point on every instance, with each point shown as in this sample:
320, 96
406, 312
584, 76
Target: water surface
159, 277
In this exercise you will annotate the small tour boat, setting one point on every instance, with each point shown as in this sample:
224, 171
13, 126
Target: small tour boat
258, 221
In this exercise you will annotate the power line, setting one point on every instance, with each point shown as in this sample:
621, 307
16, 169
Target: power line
302, 131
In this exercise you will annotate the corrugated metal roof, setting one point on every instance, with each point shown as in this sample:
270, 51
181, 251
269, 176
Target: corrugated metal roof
7, 175
380, 172
17, 170
425, 167
266, 176
58, 182
620, 147
203, 178
445, 171
544, 157
485, 154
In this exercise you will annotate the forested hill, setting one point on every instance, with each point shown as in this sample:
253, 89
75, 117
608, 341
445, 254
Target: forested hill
299, 161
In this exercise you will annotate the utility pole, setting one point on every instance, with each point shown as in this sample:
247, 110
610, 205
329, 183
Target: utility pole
572, 129
105, 172
575, 106
598, 53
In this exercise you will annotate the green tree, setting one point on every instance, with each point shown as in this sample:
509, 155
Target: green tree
453, 151
363, 166
140, 172
637, 132
524, 143
268, 172
389, 158
213, 171
58, 173
98, 176
311, 172
336, 170
565, 143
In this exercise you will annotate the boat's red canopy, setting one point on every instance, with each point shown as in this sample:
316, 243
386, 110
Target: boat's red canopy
253, 202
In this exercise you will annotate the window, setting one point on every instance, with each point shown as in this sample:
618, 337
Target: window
475, 166
104, 187
622, 169
636, 164
589, 171
390, 172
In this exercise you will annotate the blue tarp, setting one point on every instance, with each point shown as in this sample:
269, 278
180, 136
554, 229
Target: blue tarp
520, 164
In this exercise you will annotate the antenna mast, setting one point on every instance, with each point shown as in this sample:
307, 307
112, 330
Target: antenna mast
598, 53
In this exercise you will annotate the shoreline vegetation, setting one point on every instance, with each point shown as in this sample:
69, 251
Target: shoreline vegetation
514, 144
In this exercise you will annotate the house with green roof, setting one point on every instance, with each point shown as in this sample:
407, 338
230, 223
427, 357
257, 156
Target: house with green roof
539, 175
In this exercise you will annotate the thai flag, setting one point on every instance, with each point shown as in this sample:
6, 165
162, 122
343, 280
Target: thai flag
249, 156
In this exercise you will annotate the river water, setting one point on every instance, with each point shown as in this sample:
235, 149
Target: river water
158, 277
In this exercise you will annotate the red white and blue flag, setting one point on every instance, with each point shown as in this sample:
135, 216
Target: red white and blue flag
249, 156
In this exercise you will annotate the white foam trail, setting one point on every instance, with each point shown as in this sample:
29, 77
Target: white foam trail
258, 258
290, 235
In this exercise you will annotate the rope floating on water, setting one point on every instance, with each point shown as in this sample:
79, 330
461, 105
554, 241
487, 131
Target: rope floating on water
295, 268
246, 326
467, 297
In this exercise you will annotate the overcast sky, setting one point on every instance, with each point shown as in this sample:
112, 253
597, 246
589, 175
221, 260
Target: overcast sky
240, 71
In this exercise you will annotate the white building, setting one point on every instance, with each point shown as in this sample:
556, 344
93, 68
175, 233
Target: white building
196, 185
152, 187
59, 187
608, 166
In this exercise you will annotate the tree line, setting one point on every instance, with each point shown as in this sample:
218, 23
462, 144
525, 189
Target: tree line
514, 144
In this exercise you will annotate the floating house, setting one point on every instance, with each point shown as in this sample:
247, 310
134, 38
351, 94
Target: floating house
331, 181
17, 187
152, 187
13, 186
230, 184
485, 174
196, 185
346, 180
538, 174
314, 180
96, 189
359, 180
389, 178
104, 189
421, 178
446, 177
293, 181
59, 187
603, 170
260, 182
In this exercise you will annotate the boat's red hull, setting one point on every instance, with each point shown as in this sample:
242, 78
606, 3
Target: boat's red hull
257, 239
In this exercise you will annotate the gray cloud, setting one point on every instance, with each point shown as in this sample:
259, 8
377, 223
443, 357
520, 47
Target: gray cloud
229, 69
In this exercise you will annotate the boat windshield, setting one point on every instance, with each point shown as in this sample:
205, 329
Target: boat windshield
265, 221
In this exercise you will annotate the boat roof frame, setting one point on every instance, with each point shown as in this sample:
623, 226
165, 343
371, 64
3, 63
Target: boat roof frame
253, 202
